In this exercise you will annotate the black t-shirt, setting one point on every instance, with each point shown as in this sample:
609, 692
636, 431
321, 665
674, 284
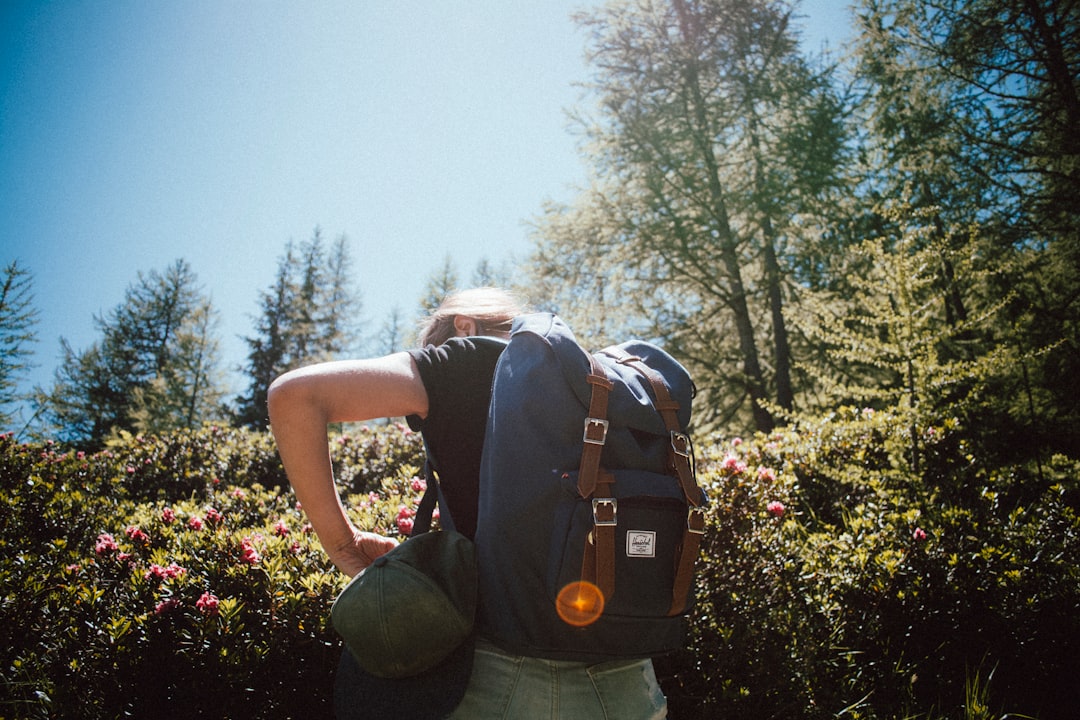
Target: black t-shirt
457, 377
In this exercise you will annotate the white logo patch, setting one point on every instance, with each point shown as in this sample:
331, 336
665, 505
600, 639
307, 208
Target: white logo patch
640, 543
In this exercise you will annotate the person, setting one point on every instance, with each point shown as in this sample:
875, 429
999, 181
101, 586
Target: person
443, 389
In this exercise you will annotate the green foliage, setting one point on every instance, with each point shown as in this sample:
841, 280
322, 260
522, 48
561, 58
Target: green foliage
368, 454
191, 463
162, 578
878, 592
175, 576
306, 316
18, 319
920, 327
715, 147
155, 366
965, 114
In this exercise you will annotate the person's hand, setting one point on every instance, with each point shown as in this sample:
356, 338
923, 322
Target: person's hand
353, 556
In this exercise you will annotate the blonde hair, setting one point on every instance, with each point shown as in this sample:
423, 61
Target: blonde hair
493, 309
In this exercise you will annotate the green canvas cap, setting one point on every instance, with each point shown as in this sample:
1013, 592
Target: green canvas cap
411, 607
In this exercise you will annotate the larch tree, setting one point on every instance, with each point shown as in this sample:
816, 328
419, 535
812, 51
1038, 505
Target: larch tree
710, 139
973, 110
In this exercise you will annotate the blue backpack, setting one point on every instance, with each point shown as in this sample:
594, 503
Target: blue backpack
590, 516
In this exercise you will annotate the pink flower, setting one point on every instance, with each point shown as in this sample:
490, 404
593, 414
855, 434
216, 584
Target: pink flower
307, 529
136, 534
281, 529
207, 604
239, 494
248, 553
167, 606
105, 544
130, 469
195, 523
212, 515
919, 535
775, 508
734, 465
736, 442
168, 516
766, 474
418, 485
156, 571
405, 520
295, 548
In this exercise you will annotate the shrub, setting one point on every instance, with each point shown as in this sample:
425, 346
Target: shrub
365, 457
188, 463
126, 597
175, 576
873, 591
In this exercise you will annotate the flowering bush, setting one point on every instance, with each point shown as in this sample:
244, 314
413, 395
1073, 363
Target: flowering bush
368, 454
836, 580
176, 577
126, 597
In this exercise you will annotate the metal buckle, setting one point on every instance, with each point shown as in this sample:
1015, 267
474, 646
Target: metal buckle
609, 502
591, 423
700, 513
680, 443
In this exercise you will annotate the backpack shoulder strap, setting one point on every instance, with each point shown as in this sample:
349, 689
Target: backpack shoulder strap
596, 427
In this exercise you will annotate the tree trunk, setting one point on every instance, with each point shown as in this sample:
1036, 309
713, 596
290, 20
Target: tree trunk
753, 378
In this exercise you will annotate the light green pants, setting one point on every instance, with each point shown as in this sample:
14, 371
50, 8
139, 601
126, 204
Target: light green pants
511, 687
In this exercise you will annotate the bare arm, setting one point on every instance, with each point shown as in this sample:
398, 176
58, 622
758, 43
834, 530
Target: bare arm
302, 402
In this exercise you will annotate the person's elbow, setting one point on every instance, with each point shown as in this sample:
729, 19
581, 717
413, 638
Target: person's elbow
288, 392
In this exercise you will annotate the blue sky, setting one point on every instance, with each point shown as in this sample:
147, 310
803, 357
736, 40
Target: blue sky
133, 133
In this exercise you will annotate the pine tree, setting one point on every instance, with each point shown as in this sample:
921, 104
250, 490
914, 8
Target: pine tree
442, 281
269, 350
341, 304
155, 366
18, 319
308, 315
393, 334
187, 390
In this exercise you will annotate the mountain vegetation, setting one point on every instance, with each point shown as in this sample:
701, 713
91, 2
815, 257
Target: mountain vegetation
868, 259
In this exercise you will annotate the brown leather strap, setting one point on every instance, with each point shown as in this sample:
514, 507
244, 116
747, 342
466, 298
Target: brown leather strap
688, 552
680, 454
598, 560
596, 426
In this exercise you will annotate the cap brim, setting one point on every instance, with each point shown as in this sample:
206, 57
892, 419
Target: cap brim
433, 693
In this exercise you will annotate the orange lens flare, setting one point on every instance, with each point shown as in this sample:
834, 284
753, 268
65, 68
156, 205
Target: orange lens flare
580, 603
